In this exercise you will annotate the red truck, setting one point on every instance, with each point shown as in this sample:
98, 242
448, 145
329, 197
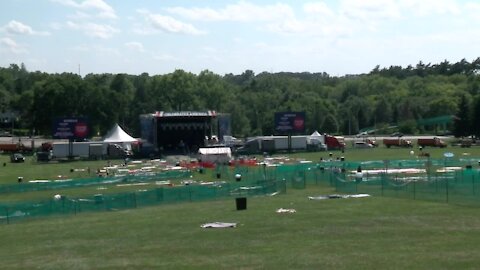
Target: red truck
397, 142
434, 142
334, 142
14, 147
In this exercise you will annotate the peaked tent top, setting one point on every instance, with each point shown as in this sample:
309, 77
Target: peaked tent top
316, 134
117, 134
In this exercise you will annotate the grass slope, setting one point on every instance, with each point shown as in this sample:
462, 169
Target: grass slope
31, 170
367, 233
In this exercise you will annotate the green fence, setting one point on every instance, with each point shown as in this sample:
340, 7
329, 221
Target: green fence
459, 187
459, 184
76, 183
163, 195
450, 181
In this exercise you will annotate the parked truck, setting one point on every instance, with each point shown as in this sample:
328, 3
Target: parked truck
66, 149
398, 142
434, 142
91, 150
334, 142
14, 147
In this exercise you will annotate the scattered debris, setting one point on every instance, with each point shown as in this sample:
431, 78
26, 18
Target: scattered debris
133, 184
337, 196
284, 210
218, 225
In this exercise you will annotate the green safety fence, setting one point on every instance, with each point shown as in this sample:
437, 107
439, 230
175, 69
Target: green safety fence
461, 185
76, 183
62, 205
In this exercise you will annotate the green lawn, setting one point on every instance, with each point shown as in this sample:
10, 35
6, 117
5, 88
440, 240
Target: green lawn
367, 233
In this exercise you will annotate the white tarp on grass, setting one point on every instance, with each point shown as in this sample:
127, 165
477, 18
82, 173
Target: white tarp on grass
219, 225
337, 196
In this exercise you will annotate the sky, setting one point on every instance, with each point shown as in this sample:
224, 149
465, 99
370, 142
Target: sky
157, 37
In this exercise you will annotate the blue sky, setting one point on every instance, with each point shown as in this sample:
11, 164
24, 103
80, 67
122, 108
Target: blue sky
157, 37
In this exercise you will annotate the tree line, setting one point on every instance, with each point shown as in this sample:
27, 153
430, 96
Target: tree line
384, 97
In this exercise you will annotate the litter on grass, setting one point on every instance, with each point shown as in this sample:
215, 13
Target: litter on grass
337, 196
284, 210
216, 225
273, 194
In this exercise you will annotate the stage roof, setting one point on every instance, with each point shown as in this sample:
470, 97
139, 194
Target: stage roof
185, 114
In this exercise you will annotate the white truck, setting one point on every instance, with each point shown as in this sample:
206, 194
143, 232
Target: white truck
75, 149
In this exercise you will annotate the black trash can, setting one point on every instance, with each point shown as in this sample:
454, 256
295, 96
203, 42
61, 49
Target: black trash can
241, 203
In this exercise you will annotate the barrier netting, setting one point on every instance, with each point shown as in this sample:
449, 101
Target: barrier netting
85, 182
169, 187
443, 180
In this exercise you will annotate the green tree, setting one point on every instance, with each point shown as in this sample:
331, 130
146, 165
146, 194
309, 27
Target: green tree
462, 121
476, 116
383, 111
179, 90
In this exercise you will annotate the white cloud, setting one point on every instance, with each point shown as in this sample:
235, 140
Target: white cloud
318, 9
171, 25
14, 27
370, 10
317, 20
291, 26
17, 28
103, 31
242, 11
431, 7
136, 46
12, 46
473, 9
97, 49
79, 15
166, 57
104, 10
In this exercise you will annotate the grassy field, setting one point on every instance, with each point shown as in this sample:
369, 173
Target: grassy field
31, 170
366, 233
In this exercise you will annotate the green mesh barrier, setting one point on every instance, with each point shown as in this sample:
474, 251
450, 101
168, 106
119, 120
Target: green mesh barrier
75, 183
440, 180
110, 202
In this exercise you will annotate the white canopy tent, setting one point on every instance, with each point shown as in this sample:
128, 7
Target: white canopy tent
316, 134
118, 135
316, 138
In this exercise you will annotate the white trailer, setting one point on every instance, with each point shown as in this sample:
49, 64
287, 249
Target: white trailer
79, 149
60, 150
281, 142
275, 143
299, 142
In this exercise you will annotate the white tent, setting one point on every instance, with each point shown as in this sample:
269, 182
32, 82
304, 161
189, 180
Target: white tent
118, 135
316, 135
215, 154
316, 138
